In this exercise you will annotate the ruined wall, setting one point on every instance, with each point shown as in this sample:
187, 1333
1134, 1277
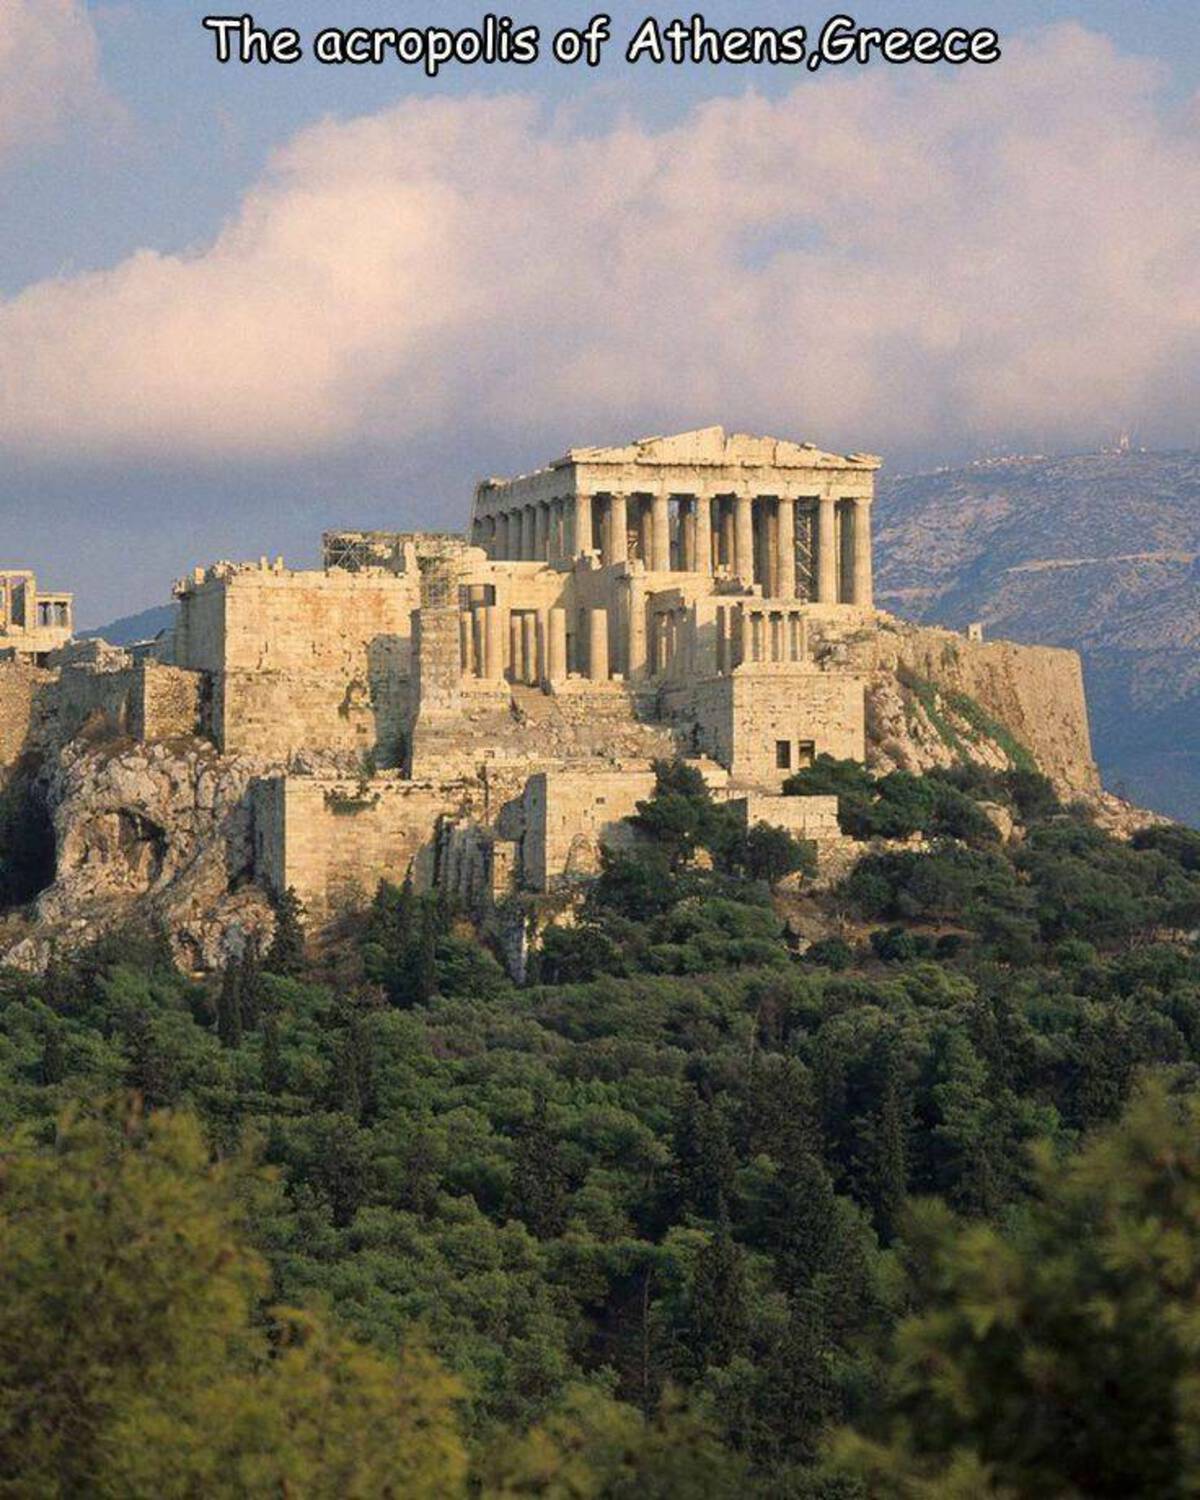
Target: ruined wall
303, 660
740, 719
570, 814
145, 700
166, 702
333, 840
805, 817
26, 711
93, 692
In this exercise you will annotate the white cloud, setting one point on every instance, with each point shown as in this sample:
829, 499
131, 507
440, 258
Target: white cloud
49, 69
882, 257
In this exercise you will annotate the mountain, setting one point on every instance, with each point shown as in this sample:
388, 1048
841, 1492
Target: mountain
1096, 551
140, 627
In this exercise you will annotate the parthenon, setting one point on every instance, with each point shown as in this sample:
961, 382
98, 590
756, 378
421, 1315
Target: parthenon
783, 516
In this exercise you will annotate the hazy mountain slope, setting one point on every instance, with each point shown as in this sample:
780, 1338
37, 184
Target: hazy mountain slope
1100, 552
140, 627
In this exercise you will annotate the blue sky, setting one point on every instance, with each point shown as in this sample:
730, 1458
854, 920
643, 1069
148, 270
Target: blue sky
241, 303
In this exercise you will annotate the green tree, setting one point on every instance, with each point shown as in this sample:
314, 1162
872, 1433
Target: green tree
1059, 1355
769, 853
133, 1357
229, 1006
716, 1318
286, 953
539, 1194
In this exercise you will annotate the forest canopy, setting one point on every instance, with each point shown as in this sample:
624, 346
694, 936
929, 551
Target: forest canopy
906, 1206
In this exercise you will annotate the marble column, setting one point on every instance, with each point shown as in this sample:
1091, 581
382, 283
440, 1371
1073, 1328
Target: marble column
541, 532
827, 558
863, 588
493, 642
687, 535
636, 646
501, 551
702, 510
618, 529
598, 645
583, 524
516, 648
743, 539
770, 525
466, 643
529, 647
786, 548
645, 530
556, 645
660, 534
516, 534
728, 548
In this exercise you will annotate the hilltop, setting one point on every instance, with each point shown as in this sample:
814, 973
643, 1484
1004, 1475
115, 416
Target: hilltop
1100, 552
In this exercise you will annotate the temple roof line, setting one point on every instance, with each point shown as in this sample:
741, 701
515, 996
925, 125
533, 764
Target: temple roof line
703, 447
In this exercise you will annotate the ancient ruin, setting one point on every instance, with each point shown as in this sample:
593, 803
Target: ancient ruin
32, 623
484, 709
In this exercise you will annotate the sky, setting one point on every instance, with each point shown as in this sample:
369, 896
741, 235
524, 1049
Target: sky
240, 304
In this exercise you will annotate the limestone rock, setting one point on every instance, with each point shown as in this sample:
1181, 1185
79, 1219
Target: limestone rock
161, 831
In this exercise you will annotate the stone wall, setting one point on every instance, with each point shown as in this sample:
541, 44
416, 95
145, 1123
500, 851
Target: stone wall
332, 840
98, 693
166, 702
26, 710
302, 661
145, 700
570, 814
805, 817
742, 720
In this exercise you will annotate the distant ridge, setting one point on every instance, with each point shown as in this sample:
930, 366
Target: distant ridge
143, 626
1096, 551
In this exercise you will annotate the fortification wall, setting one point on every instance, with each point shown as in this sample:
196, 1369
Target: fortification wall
805, 817
88, 692
303, 660
570, 814
166, 702
26, 710
753, 719
333, 840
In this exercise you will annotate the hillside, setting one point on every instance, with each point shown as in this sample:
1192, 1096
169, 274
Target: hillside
640, 1226
1100, 552
143, 626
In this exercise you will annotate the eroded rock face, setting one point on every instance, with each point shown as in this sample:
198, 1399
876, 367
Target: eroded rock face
165, 830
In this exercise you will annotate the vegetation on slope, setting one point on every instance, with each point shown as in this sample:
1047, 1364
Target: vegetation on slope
695, 1212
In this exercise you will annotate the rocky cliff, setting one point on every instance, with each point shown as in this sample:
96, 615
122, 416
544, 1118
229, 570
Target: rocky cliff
934, 697
159, 830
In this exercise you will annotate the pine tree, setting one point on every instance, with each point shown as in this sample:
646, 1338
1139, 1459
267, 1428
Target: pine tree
539, 1193
887, 1148
704, 1157
423, 967
286, 953
229, 1007
250, 983
717, 1319
800, 1392
272, 1071
804, 1223
52, 1067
